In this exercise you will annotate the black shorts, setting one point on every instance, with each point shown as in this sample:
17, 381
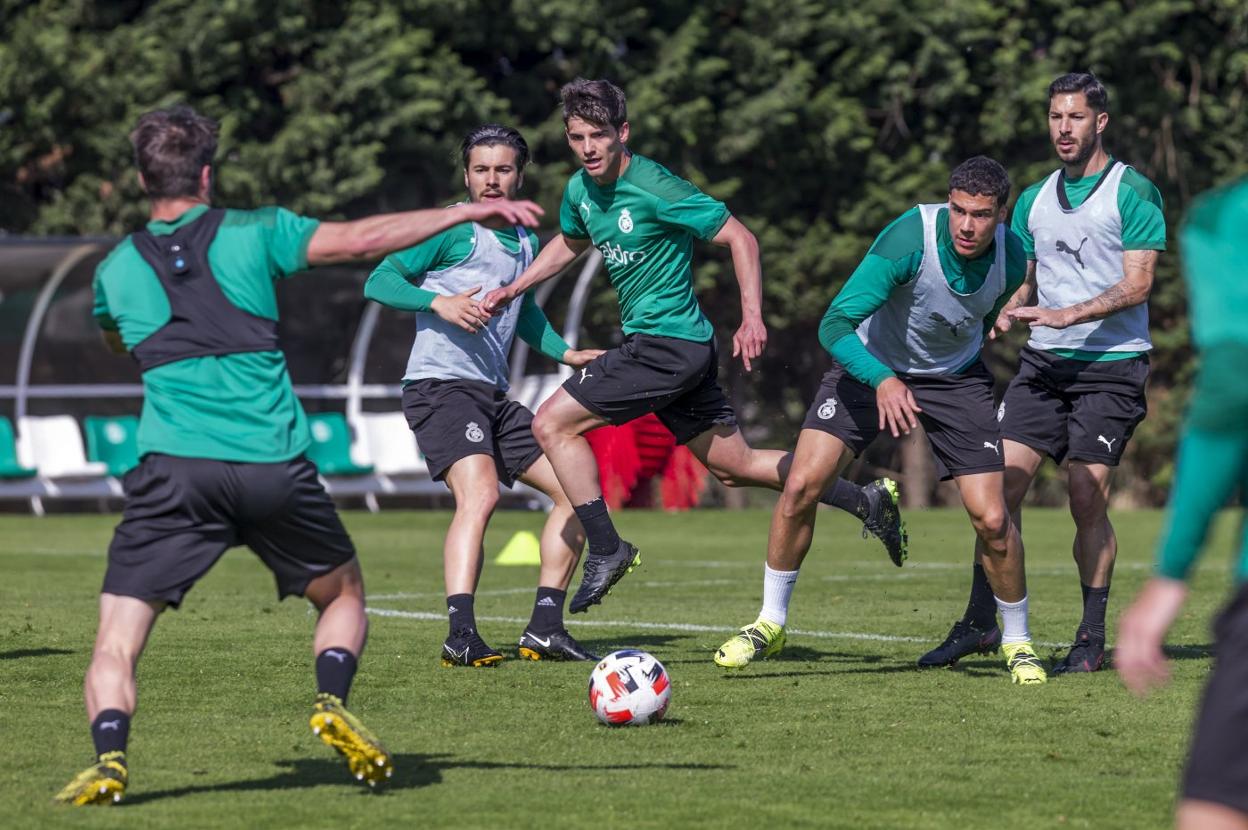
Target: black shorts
1078, 409
957, 416
454, 419
181, 514
1217, 769
673, 378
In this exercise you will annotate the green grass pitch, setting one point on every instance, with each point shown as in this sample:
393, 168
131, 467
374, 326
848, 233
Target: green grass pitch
839, 731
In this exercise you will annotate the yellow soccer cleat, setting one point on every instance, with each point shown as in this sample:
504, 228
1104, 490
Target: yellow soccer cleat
758, 640
1025, 666
366, 758
102, 783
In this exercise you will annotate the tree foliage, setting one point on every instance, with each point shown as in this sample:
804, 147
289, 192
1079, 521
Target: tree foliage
817, 122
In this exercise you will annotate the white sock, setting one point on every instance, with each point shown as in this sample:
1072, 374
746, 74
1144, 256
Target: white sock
1013, 620
777, 588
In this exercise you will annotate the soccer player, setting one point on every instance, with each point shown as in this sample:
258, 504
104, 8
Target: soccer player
906, 332
644, 220
222, 435
1092, 230
1212, 466
454, 394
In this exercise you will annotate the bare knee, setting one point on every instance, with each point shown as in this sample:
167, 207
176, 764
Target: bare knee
800, 496
345, 581
992, 526
1087, 507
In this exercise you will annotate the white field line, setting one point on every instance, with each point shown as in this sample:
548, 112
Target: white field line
427, 616
505, 591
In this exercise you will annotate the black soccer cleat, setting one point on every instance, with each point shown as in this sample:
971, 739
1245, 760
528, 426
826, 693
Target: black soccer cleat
466, 648
964, 638
1086, 655
600, 573
883, 519
557, 645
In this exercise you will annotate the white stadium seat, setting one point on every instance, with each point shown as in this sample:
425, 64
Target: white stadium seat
53, 446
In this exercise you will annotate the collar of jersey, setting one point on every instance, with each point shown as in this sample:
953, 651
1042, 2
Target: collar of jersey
162, 227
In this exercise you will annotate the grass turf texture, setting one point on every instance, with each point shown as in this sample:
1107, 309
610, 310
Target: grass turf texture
839, 731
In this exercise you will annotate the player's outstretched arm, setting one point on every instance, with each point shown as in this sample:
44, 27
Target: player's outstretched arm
376, 236
751, 337
1139, 268
557, 254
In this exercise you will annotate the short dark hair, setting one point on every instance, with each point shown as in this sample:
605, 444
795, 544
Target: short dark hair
981, 176
171, 146
598, 102
1087, 83
492, 135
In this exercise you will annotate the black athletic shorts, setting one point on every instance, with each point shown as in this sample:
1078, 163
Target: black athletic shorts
673, 378
957, 416
454, 419
1078, 409
181, 514
1217, 769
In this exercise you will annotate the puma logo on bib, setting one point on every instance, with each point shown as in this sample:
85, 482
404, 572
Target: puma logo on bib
953, 327
1062, 247
827, 409
473, 433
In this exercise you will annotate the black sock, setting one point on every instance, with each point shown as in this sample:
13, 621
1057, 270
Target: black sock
547, 611
335, 669
459, 609
1095, 601
110, 730
599, 529
847, 496
981, 609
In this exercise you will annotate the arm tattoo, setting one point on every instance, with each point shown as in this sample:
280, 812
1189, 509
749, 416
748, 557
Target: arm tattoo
1131, 290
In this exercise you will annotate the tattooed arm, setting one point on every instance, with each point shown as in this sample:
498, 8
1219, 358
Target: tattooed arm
1137, 281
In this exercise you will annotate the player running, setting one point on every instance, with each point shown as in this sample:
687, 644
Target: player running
454, 394
1212, 466
222, 435
644, 220
906, 332
1092, 230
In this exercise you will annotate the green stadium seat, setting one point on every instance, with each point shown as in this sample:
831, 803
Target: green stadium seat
9, 466
330, 449
114, 440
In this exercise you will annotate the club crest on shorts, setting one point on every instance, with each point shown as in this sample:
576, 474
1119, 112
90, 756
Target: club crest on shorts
626, 221
1001, 412
827, 409
473, 433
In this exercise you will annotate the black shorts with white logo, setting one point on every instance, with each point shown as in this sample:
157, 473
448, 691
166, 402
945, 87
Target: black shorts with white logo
454, 419
182, 514
1077, 409
675, 379
1217, 769
957, 415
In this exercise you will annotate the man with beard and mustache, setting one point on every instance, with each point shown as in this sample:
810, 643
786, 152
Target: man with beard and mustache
455, 395
1093, 231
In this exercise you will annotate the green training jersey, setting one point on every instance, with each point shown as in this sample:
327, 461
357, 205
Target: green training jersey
236, 407
644, 223
1143, 226
894, 260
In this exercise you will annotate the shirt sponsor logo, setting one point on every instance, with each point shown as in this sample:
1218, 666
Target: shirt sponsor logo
626, 221
473, 433
616, 255
827, 409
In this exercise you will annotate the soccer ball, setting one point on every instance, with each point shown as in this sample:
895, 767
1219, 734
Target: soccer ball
629, 688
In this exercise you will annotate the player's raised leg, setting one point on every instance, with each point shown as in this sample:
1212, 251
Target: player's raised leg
338, 643
563, 539
817, 461
473, 480
983, 496
111, 696
560, 426
977, 632
724, 451
1095, 548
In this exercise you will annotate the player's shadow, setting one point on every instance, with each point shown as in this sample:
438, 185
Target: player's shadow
1188, 651
20, 653
411, 771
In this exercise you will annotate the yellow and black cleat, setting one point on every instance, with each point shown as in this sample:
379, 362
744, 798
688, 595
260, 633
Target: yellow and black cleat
466, 648
102, 783
366, 758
